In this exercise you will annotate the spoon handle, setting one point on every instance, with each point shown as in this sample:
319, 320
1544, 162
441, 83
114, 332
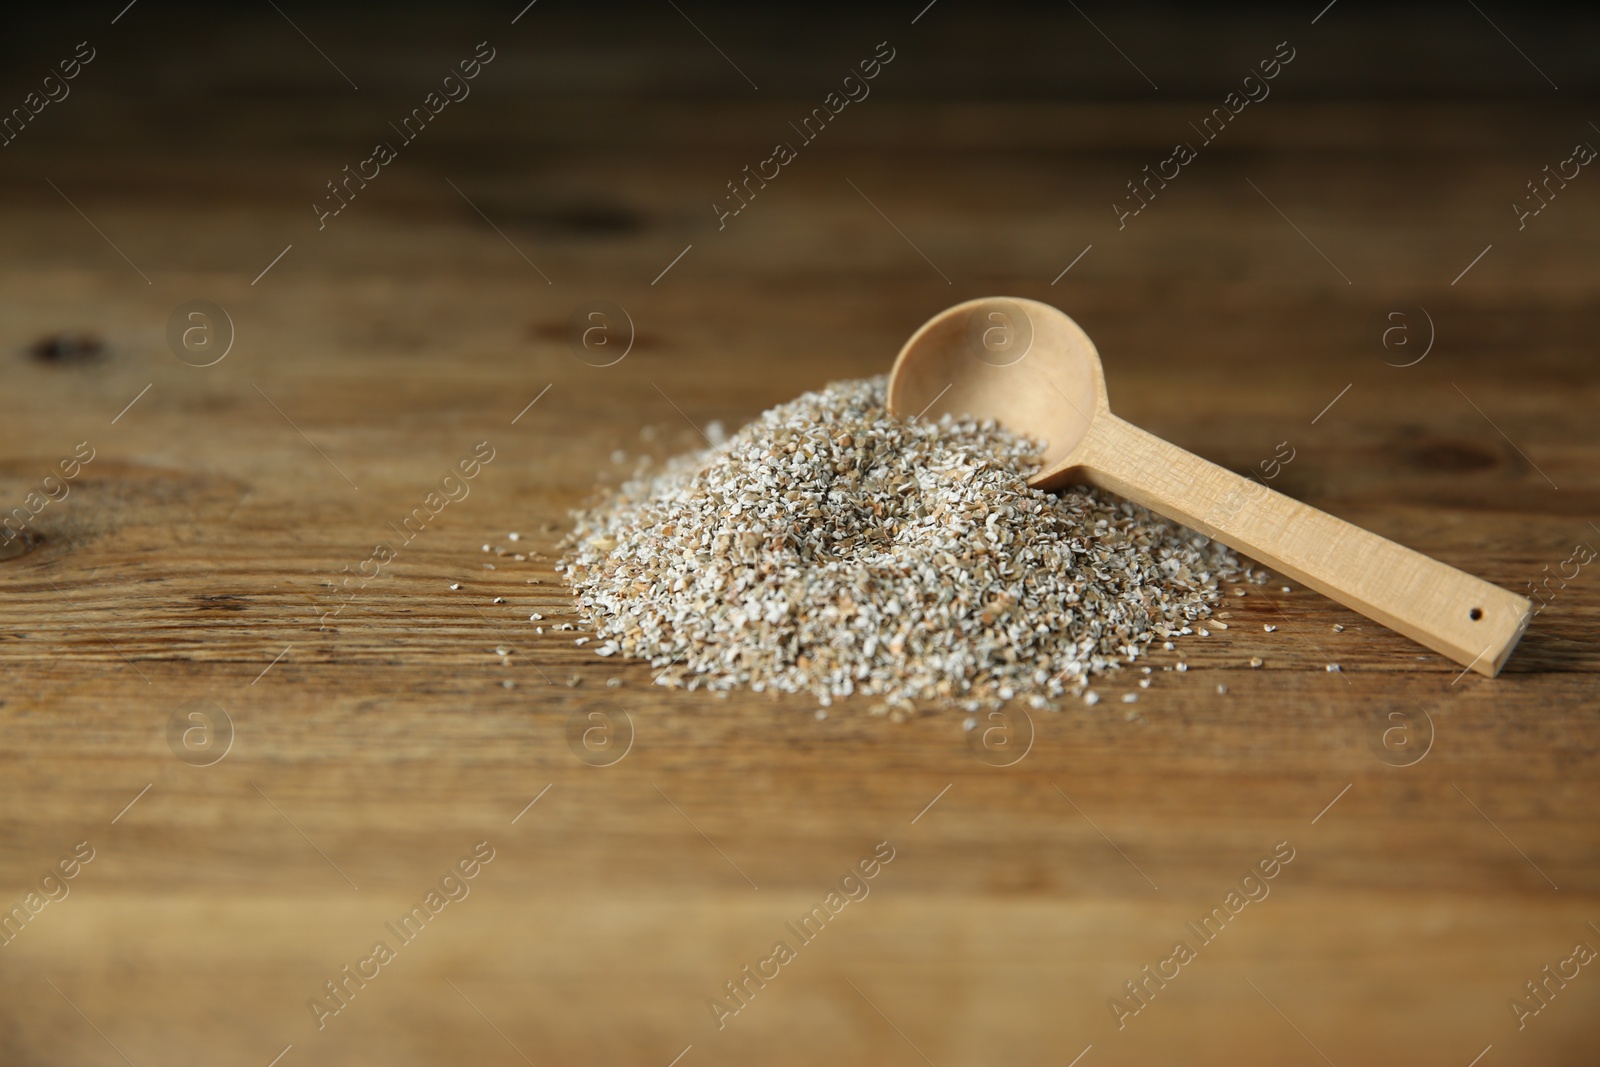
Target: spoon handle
1463, 617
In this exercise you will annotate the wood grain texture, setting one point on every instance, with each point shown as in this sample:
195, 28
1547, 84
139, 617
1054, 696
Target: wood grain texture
196, 554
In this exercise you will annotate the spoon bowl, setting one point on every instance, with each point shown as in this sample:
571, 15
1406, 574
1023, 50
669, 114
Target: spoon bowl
1020, 362
1029, 367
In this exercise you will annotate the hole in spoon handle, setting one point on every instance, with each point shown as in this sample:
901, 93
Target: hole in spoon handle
1452, 612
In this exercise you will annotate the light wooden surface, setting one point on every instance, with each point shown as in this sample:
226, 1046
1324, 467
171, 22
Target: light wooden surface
195, 554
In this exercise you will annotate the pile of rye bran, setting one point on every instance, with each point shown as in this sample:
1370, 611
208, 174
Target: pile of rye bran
831, 547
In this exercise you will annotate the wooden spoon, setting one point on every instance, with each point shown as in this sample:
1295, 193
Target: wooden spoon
1029, 367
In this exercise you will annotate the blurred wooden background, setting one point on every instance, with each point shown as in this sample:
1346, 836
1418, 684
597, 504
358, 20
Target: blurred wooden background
193, 555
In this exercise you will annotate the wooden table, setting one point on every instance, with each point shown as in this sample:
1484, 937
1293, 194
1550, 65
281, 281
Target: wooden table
1262, 297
